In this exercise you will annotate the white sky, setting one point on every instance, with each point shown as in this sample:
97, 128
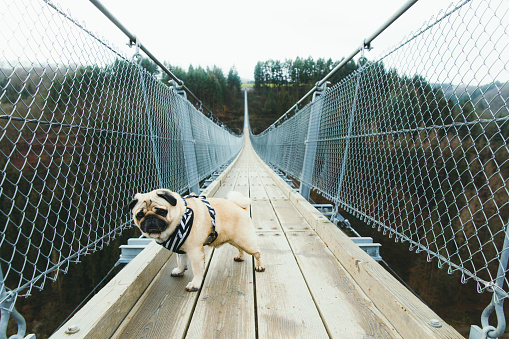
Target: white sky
469, 47
230, 33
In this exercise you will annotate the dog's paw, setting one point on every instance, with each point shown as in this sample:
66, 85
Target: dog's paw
259, 268
238, 259
191, 287
176, 272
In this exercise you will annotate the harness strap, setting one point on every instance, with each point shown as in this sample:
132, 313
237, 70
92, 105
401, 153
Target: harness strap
179, 236
213, 235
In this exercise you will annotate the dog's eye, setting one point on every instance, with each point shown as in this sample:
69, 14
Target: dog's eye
140, 215
161, 212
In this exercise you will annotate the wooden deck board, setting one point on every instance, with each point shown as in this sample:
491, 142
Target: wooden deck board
225, 308
346, 310
164, 309
285, 306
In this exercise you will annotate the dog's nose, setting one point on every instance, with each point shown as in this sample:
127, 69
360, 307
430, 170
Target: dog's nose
153, 224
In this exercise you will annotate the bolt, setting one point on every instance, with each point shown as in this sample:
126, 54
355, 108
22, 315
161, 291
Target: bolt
435, 323
72, 329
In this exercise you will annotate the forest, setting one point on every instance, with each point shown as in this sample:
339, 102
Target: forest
277, 86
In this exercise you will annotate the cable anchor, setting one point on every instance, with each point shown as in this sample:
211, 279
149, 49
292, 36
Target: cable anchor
137, 55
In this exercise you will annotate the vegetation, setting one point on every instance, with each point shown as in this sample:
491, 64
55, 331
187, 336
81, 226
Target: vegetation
220, 93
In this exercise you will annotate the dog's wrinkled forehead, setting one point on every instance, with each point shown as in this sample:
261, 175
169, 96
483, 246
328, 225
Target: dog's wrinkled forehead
152, 199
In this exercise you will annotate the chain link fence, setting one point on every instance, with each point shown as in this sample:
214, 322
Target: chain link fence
82, 129
415, 142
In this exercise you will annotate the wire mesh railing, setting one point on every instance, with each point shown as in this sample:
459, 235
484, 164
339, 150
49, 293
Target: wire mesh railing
83, 128
415, 142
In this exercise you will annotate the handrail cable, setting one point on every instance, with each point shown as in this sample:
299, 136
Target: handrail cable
366, 44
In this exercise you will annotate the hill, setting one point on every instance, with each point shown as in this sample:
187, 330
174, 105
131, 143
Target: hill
490, 98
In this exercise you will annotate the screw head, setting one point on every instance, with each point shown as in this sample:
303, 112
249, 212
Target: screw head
435, 323
72, 329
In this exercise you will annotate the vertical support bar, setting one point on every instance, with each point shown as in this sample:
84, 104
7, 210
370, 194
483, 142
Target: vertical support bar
349, 135
188, 142
153, 137
312, 142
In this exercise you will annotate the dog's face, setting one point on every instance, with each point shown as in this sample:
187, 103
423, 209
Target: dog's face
157, 213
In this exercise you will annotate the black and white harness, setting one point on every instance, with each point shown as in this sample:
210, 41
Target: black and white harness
179, 236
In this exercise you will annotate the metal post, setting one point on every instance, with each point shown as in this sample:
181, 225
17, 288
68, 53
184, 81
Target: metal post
153, 137
7, 310
349, 135
188, 142
312, 142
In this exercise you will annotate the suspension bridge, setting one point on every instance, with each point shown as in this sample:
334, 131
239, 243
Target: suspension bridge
394, 144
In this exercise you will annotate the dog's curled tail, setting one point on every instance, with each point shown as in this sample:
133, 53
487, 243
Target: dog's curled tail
239, 198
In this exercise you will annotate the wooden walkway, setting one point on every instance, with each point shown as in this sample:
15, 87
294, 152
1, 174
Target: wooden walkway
317, 283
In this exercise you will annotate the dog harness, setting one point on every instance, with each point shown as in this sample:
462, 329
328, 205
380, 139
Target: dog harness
179, 236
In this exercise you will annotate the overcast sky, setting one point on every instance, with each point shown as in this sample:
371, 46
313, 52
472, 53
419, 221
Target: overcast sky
230, 33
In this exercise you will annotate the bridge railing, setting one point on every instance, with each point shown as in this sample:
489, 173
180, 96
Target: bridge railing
82, 129
415, 143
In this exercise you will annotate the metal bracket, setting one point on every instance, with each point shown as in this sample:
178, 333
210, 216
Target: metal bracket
320, 90
488, 331
497, 302
7, 311
136, 56
179, 90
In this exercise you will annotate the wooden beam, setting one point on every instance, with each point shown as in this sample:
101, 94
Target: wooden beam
101, 316
285, 306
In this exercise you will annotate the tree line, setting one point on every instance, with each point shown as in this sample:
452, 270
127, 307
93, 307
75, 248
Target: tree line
301, 71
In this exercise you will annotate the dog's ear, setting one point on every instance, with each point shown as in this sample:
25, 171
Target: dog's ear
132, 204
166, 195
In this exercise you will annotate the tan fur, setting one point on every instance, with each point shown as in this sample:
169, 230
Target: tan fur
233, 226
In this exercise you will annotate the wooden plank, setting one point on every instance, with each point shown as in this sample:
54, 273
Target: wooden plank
242, 183
228, 186
262, 212
102, 315
214, 186
289, 217
285, 307
264, 217
407, 313
225, 308
345, 309
256, 188
165, 309
273, 191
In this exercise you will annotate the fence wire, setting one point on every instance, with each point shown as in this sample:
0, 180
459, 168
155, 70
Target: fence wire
83, 128
415, 142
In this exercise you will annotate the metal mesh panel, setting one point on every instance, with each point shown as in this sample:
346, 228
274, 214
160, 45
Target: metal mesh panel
415, 145
83, 129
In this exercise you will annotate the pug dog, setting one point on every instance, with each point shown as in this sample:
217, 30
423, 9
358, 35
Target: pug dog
158, 215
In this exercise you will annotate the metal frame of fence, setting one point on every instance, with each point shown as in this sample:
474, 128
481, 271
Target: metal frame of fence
415, 143
82, 129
